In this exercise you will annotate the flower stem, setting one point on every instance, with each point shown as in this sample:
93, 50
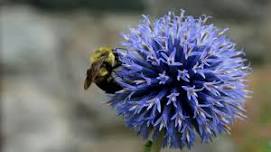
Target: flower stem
153, 146
148, 146
156, 147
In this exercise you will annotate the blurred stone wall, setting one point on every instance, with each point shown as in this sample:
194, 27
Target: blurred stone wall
45, 56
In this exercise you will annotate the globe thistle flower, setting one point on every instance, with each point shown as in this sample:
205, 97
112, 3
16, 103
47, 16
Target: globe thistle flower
181, 78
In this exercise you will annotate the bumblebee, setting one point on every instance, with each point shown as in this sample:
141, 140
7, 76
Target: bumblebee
103, 62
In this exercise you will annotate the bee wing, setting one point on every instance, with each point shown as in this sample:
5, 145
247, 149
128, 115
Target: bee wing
88, 79
92, 72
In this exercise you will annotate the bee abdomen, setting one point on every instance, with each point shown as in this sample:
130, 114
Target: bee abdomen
108, 85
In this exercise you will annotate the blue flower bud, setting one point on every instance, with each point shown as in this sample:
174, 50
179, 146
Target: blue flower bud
181, 78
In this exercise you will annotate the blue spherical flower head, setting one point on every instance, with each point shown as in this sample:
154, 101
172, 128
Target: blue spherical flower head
181, 78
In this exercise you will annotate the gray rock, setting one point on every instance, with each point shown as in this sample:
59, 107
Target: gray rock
33, 121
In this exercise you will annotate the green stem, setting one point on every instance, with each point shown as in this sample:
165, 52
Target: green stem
153, 146
148, 146
156, 147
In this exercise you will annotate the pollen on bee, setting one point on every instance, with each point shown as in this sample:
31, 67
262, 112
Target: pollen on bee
103, 72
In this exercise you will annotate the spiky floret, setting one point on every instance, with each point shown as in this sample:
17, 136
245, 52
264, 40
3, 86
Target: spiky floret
181, 77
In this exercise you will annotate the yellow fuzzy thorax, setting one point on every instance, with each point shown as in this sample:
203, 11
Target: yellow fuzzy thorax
103, 52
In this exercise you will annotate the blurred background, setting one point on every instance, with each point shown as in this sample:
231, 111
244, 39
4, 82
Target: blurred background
45, 45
